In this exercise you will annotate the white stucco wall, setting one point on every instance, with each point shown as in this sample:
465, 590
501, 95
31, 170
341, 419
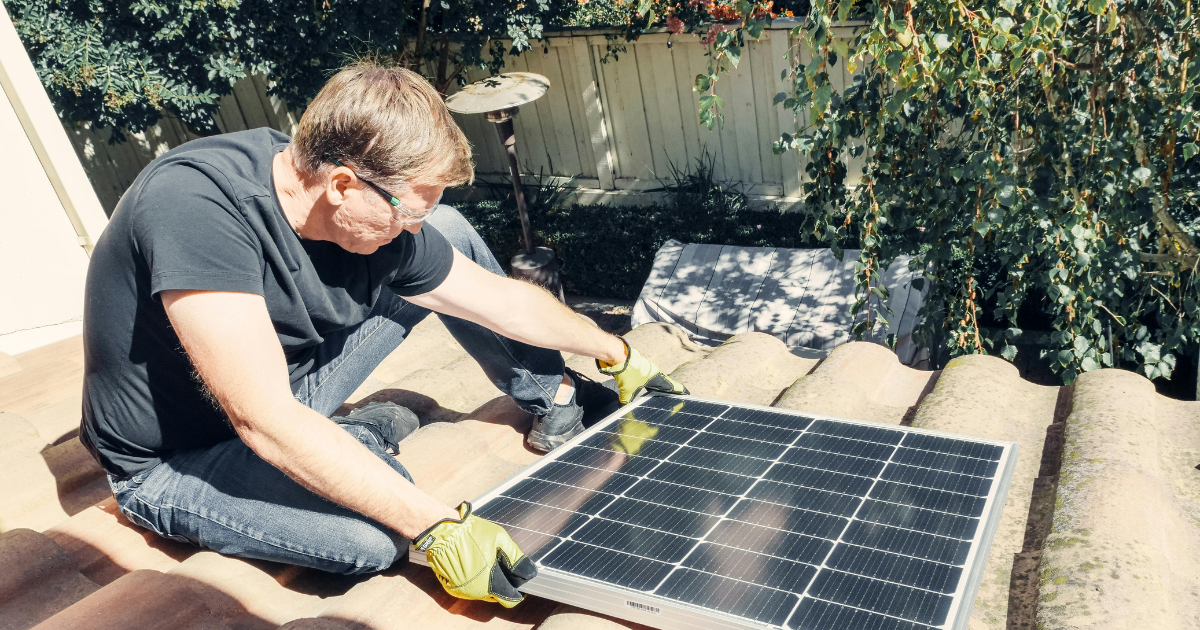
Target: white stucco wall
49, 213
42, 265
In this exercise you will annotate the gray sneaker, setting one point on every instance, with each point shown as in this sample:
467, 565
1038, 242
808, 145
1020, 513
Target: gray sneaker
557, 427
390, 422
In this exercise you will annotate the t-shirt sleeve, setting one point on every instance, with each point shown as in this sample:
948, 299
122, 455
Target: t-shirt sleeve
192, 235
425, 263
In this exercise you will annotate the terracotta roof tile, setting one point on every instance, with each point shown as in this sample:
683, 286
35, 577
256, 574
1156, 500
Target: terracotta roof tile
1121, 546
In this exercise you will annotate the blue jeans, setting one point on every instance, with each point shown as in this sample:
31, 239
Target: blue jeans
227, 499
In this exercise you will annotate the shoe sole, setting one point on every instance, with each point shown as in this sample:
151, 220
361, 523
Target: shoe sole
543, 443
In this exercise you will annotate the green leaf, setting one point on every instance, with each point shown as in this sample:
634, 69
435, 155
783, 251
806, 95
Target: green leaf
703, 82
1097, 7
1008, 352
779, 98
1088, 364
841, 47
844, 10
1114, 20
1189, 150
1009, 5
821, 97
1141, 174
1014, 66
893, 60
941, 41
644, 6
1003, 25
755, 29
1082, 259
744, 7
709, 100
999, 42
734, 53
1007, 195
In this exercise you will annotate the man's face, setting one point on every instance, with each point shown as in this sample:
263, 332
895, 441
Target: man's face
362, 221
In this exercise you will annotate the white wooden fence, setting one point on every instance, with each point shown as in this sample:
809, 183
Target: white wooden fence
617, 124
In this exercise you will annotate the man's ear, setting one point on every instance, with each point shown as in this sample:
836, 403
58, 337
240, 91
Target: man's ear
339, 184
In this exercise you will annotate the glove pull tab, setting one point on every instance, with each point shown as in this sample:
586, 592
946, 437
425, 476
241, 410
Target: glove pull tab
609, 370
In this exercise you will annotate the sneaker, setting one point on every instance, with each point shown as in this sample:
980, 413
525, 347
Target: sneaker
589, 403
390, 422
597, 399
557, 427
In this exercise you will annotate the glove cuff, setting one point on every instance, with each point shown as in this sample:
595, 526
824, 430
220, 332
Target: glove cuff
610, 370
464, 510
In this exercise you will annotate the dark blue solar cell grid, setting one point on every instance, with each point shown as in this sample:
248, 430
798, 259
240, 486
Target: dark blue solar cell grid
779, 518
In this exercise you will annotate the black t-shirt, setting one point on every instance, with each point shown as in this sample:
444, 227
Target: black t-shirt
205, 216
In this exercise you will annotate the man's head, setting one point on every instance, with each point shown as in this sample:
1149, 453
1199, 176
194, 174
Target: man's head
372, 136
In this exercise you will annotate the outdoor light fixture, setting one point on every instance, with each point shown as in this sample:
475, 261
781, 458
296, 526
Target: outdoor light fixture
499, 98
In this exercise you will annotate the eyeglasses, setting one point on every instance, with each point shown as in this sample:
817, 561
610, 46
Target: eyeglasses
400, 214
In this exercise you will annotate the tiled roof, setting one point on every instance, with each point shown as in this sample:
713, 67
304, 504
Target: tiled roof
1101, 528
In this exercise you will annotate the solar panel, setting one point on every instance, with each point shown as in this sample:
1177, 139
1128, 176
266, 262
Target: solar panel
683, 512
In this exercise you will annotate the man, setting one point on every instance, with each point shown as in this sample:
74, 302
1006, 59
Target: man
246, 285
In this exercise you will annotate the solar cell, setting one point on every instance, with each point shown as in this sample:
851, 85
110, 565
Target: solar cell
679, 512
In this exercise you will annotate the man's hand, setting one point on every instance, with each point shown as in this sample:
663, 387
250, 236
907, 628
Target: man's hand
638, 373
475, 558
233, 346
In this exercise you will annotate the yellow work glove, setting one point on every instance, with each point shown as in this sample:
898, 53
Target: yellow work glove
638, 373
475, 558
631, 435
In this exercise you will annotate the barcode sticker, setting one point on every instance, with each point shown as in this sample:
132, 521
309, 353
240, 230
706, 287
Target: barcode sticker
642, 607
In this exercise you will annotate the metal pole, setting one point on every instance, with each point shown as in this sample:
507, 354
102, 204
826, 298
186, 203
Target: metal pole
504, 127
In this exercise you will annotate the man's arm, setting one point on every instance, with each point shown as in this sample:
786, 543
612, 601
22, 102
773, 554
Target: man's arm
233, 346
518, 310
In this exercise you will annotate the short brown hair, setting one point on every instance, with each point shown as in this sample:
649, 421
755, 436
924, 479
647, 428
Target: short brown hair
388, 124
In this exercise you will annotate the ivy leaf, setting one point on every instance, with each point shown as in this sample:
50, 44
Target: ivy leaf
1005, 24
1113, 19
1189, 150
1008, 352
1088, 364
644, 7
892, 61
844, 10
1009, 5
779, 98
1097, 7
1082, 259
1141, 174
703, 82
941, 41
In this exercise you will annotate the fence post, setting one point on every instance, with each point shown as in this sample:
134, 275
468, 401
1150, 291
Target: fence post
593, 105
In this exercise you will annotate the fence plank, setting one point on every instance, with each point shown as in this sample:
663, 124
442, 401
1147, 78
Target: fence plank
575, 99
740, 108
598, 122
251, 106
789, 163
558, 117
764, 119
687, 99
543, 117
674, 149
